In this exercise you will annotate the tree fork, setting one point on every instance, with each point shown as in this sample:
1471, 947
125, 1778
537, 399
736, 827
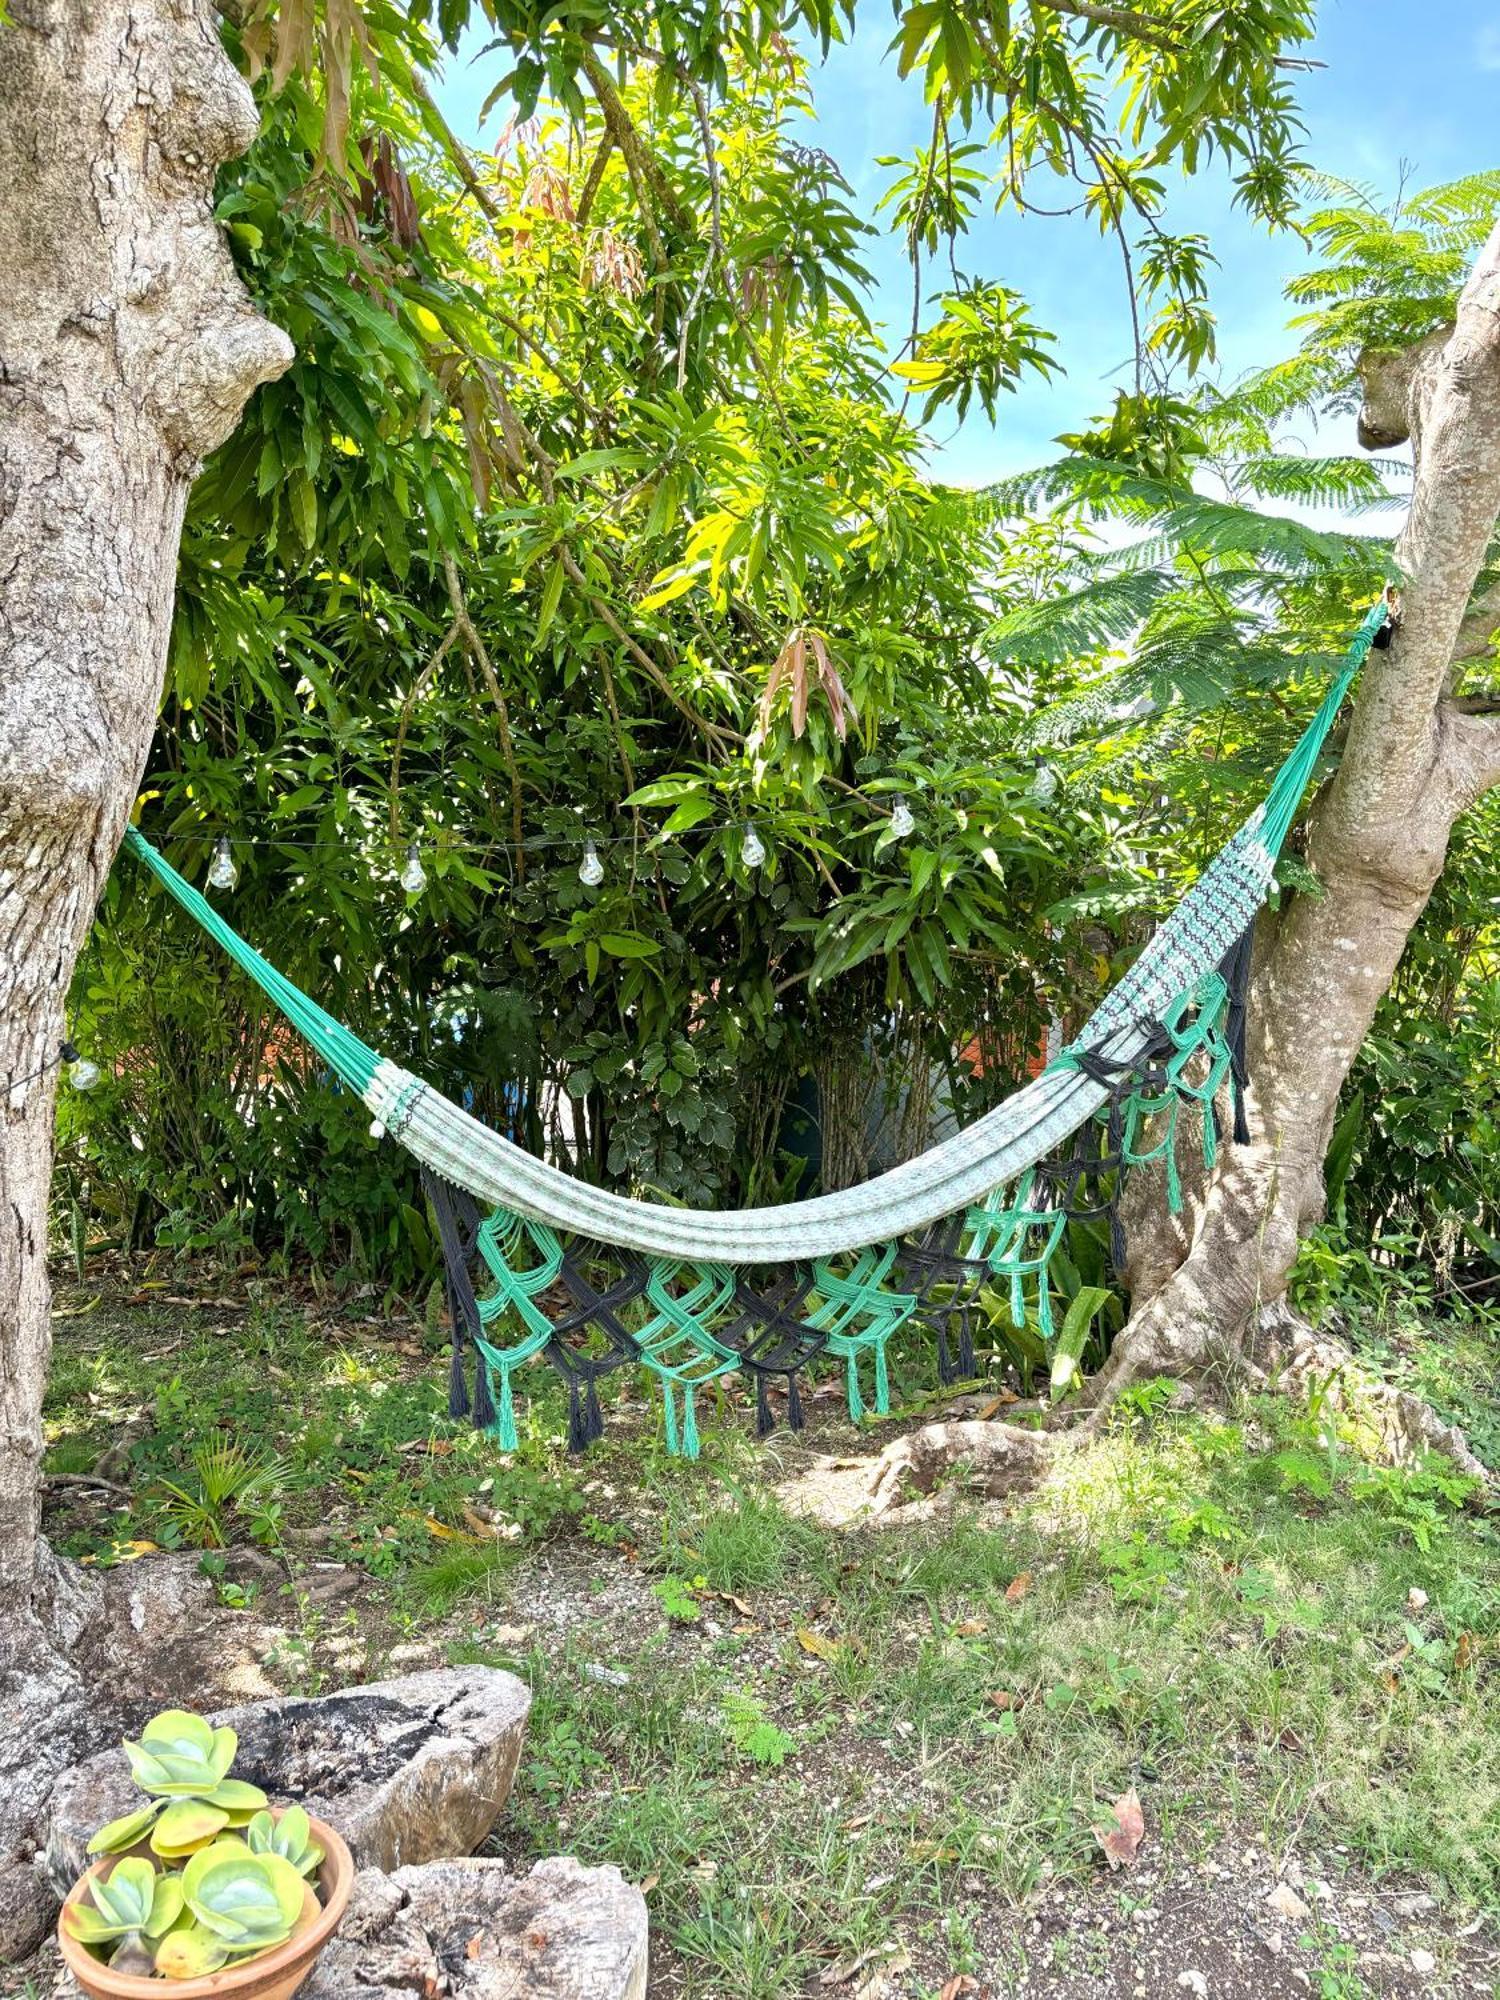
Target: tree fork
128, 348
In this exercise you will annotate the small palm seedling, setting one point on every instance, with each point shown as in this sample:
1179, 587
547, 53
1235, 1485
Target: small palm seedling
227, 1477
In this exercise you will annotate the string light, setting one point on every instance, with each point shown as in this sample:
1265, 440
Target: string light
1044, 784
413, 874
752, 848
902, 822
82, 1073
591, 868
222, 872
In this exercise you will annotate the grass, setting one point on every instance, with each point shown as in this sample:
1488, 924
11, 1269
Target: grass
814, 1741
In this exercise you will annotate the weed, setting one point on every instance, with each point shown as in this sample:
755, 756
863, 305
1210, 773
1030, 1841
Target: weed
751, 1730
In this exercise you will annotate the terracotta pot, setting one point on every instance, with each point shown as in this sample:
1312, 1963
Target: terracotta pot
275, 1975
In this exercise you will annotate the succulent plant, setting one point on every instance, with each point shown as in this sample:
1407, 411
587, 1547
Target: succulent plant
184, 1763
216, 1898
132, 1902
249, 1901
290, 1837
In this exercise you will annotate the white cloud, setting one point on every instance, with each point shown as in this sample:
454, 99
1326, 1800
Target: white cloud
1487, 46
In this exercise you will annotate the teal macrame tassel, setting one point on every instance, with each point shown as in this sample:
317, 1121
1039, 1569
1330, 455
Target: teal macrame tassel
1043, 1306
689, 1423
1017, 1300
506, 1428
856, 1401
882, 1383
1174, 1184
673, 1447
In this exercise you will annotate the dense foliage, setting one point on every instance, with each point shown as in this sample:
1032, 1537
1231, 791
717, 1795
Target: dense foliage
594, 510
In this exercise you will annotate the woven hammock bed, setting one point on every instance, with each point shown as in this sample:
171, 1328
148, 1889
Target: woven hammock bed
692, 1295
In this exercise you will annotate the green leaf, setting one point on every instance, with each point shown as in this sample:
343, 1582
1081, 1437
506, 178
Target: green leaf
125, 1831
628, 944
1068, 1351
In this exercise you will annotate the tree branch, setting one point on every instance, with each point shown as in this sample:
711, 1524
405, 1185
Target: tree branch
476, 646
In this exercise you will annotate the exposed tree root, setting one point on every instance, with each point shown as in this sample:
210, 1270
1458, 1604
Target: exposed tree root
1282, 1354
1394, 1426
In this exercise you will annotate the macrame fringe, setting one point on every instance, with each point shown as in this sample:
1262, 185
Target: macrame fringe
851, 1389
794, 1415
505, 1429
882, 1382
1235, 972
689, 1422
458, 1388
484, 1402
968, 1369
765, 1423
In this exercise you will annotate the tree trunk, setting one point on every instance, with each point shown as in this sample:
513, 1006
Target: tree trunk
1414, 761
127, 350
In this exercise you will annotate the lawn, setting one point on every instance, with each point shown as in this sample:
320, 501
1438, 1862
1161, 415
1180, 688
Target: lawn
869, 1759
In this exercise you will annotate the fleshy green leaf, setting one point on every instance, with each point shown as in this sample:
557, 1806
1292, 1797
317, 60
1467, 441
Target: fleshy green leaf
190, 1954
124, 1832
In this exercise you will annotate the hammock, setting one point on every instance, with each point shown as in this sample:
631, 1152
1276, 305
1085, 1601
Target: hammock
852, 1266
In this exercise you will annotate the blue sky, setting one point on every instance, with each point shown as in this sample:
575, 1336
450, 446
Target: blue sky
1404, 82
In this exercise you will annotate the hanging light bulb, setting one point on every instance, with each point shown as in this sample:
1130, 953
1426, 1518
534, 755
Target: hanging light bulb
82, 1073
413, 874
752, 848
591, 868
902, 822
222, 873
1044, 784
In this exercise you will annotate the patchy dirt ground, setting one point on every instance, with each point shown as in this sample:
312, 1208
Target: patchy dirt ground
849, 1757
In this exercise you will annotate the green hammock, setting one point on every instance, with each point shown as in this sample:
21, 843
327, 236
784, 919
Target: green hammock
852, 1267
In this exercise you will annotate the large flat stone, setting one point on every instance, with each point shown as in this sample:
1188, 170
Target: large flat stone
474, 1931
407, 1770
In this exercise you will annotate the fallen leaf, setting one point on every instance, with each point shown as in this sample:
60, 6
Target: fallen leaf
969, 1628
931, 1850
649, 1884
728, 1597
1018, 1586
1463, 1652
475, 1945
890, 1957
820, 1647
1000, 1698
958, 1985
1122, 1841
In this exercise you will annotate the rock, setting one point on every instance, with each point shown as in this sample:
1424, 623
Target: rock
1416, 1903
473, 1930
997, 1459
1423, 1962
1287, 1903
1194, 1983
1416, 1600
152, 1630
407, 1770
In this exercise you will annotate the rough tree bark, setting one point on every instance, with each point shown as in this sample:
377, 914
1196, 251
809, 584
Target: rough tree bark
127, 350
1415, 759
